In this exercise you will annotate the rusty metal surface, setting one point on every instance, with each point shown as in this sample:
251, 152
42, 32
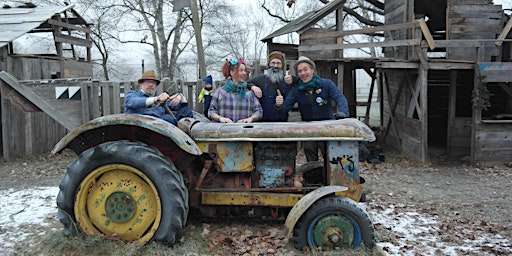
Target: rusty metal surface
250, 199
151, 123
344, 129
230, 156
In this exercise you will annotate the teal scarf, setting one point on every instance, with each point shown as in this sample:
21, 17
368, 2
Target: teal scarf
313, 84
238, 88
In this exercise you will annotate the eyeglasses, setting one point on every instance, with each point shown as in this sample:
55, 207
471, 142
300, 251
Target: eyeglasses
274, 63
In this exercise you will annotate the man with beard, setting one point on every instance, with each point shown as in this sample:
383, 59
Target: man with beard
146, 102
269, 85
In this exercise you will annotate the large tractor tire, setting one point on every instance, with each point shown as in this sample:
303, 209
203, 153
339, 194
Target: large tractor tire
334, 222
123, 190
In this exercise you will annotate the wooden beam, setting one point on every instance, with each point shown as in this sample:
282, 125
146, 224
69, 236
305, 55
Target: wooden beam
504, 32
495, 71
423, 112
38, 101
415, 93
407, 42
361, 31
61, 38
68, 26
427, 35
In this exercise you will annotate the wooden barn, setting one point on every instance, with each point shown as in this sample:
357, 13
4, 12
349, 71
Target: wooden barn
444, 81
31, 125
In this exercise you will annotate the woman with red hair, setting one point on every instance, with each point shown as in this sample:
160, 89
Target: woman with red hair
233, 102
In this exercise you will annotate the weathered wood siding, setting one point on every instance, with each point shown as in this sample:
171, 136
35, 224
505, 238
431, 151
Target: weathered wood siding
26, 129
405, 133
493, 142
473, 21
396, 12
459, 139
30, 68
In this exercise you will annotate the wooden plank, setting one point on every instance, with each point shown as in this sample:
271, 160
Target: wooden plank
408, 42
105, 98
360, 31
69, 26
504, 32
61, 38
86, 112
495, 71
40, 103
427, 35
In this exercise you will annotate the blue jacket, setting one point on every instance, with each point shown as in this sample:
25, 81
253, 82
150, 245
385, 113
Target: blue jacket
316, 107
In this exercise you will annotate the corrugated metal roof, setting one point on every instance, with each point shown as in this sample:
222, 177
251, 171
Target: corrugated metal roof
307, 20
15, 22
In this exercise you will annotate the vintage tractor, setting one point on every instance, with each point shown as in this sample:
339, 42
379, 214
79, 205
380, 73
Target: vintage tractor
136, 178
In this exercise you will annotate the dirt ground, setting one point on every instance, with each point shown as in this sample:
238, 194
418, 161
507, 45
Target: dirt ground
469, 201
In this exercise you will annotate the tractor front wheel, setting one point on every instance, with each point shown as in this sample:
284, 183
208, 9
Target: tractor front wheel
123, 190
332, 223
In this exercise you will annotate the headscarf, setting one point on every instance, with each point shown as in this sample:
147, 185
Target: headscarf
237, 88
313, 84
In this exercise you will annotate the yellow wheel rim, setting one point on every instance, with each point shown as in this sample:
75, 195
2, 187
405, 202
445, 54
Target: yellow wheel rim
118, 201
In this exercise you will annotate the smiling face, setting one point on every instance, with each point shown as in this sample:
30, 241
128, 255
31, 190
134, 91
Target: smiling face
239, 73
305, 72
148, 86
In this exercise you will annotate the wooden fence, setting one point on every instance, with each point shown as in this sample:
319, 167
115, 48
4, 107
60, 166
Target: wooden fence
36, 114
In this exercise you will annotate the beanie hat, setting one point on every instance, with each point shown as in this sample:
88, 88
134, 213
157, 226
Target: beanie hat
275, 55
208, 79
149, 75
303, 59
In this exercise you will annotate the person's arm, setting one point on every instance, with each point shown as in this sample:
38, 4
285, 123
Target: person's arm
201, 95
134, 101
255, 83
339, 98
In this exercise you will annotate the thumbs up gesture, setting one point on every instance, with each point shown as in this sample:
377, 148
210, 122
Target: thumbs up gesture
288, 77
279, 98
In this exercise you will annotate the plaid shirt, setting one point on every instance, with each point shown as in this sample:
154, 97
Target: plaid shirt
233, 106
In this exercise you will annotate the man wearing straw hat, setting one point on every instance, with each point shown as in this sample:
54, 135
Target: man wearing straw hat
146, 102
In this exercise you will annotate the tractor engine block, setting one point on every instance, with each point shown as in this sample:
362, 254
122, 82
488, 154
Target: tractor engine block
274, 163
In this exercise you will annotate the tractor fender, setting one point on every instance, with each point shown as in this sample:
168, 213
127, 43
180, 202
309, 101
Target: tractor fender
303, 205
123, 126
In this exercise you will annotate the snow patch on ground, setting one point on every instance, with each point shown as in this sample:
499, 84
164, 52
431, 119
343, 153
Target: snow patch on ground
416, 234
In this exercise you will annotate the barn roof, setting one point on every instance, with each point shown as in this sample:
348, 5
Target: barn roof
16, 21
307, 20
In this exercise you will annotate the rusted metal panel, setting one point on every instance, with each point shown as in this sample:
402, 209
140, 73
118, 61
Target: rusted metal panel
344, 163
344, 129
250, 199
148, 122
230, 156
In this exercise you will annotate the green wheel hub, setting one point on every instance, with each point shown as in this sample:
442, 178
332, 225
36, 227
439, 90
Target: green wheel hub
120, 207
333, 231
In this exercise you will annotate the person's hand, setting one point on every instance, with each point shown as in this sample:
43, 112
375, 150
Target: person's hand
175, 99
225, 120
257, 91
201, 100
279, 99
162, 97
288, 77
340, 115
245, 120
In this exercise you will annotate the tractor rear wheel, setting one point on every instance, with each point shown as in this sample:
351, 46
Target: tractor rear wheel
123, 190
334, 222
